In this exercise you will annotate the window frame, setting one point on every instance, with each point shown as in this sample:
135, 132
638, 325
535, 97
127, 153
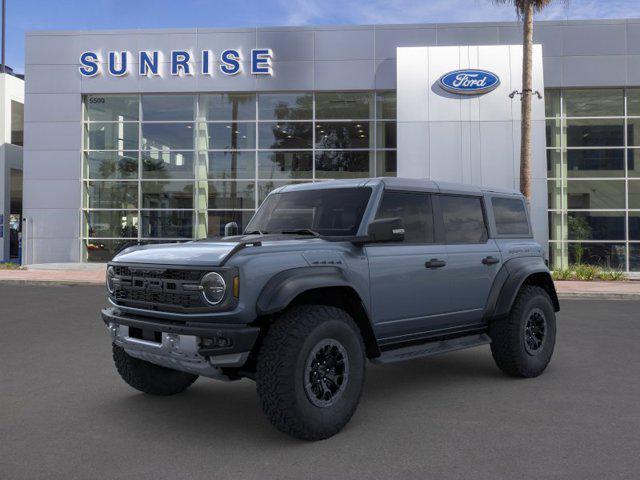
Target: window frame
438, 238
494, 225
483, 209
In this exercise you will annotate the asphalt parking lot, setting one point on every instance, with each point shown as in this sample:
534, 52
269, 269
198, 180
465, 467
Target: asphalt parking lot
65, 413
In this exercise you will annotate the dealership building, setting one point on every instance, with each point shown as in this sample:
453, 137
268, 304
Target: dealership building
142, 136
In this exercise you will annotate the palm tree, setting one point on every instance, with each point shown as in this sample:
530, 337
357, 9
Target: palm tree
525, 10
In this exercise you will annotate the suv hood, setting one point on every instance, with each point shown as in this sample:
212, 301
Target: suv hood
204, 252
192, 253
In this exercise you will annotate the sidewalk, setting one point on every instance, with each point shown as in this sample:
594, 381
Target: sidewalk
629, 290
56, 274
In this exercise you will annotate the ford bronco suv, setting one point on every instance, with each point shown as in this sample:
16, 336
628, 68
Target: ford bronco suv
326, 276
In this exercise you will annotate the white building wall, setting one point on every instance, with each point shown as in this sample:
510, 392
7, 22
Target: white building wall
11, 88
470, 139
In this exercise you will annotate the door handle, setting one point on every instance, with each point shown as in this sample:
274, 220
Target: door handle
490, 260
435, 263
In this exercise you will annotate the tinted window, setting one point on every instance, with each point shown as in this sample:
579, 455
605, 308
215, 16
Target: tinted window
17, 123
347, 105
168, 107
328, 211
463, 219
227, 106
343, 135
166, 136
595, 194
602, 132
598, 102
510, 215
285, 106
111, 136
112, 108
414, 209
285, 135
344, 164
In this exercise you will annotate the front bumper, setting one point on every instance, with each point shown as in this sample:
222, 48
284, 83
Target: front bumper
199, 349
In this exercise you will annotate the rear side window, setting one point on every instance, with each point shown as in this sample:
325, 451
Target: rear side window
415, 211
510, 215
463, 219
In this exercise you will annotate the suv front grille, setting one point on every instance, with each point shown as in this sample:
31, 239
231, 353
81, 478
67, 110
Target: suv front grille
158, 288
158, 298
164, 273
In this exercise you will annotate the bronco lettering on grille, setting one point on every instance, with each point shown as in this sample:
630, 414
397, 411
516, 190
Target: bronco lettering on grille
157, 288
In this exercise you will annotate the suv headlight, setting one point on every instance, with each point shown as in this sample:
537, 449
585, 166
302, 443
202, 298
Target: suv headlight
111, 272
213, 287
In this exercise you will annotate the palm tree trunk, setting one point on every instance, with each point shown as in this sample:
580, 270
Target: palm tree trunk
525, 146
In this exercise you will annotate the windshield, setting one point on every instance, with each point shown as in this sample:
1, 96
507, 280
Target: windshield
327, 212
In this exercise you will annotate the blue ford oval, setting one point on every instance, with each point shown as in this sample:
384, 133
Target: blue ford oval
469, 81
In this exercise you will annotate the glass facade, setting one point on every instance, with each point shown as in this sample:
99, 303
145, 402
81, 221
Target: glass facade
593, 137
176, 167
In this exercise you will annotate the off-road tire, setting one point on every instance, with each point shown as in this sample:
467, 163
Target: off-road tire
281, 371
148, 377
508, 335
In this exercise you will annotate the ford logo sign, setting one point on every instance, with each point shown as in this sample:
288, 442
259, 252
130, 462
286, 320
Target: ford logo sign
469, 82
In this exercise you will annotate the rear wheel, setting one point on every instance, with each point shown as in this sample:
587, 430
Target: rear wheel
523, 343
148, 377
310, 371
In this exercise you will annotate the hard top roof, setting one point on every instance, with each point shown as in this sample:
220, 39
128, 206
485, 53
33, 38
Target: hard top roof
401, 183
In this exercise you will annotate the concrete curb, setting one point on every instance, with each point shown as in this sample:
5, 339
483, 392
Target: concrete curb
598, 296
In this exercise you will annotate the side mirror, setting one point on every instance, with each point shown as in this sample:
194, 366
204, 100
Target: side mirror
231, 229
386, 230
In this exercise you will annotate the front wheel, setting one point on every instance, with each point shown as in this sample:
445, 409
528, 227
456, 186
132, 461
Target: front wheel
310, 371
148, 377
523, 342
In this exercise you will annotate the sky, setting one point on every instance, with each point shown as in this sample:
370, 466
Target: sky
26, 15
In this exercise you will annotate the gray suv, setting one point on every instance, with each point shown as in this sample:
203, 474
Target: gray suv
325, 276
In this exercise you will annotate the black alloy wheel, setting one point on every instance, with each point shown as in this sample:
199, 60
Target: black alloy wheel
326, 373
535, 331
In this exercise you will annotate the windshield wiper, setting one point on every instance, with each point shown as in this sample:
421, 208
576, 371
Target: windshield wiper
301, 231
255, 232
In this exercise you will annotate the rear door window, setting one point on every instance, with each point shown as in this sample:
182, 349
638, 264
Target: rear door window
510, 216
415, 211
463, 219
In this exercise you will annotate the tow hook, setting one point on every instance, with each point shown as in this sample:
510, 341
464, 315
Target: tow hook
113, 330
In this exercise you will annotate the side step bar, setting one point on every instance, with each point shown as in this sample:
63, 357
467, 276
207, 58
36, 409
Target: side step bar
432, 348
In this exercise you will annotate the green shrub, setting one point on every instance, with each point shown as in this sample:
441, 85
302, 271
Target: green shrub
586, 272
9, 266
562, 274
612, 275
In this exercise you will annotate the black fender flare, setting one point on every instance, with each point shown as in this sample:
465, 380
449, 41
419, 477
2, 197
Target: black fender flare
509, 280
285, 286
